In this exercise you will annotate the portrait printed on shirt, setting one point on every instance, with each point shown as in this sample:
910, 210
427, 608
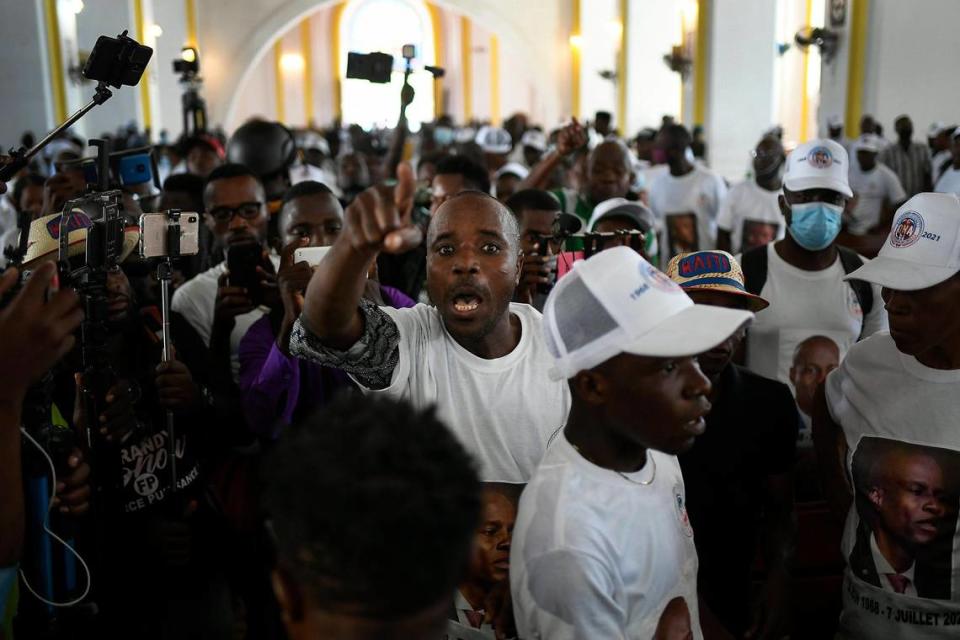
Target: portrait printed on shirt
682, 234
489, 566
907, 499
758, 233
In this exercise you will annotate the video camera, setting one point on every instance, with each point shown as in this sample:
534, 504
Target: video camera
377, 67
568, 226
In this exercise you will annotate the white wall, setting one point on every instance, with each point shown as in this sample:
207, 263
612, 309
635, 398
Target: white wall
235, 33
653, 90
104, 17
26, 103
740, 84
598, 53
912, 59
171, 16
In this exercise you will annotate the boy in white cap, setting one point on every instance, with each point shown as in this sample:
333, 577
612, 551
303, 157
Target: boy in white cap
887, 419
802, 274
603, 542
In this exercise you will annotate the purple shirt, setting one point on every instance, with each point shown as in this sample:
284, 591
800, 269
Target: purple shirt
272, 382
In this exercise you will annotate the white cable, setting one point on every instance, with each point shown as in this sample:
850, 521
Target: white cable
46, 527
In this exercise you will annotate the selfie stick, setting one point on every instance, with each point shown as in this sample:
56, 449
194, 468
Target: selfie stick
165, 275
21, 157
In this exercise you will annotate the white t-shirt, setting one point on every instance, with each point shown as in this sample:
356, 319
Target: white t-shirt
939, 160
751, 210
686, 208
872, 189
949, 182
503, 410
805, 304
196, 299
595, 555
899, 420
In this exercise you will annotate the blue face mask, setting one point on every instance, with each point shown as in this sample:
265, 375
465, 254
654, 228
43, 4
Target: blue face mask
814, 225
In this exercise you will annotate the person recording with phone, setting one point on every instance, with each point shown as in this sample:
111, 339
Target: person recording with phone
277, 388
223, 302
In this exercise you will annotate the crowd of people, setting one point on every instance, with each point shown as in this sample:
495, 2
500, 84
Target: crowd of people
541, 384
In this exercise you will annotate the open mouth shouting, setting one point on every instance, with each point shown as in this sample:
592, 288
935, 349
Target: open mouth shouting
465, 301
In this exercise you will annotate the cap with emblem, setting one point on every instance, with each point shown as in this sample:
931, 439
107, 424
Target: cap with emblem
923, 248
818, 164
617, 302
713, 271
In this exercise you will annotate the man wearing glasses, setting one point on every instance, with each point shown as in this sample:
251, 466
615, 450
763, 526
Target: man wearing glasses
236, 215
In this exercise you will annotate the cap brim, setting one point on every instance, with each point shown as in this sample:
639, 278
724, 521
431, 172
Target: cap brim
901, 275
802, 184
755, 303
694, 330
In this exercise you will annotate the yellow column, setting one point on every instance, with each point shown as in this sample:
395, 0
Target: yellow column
190, 10
623, 82
856, 69
804, 89
700, 61
55, 60
466, 67
278, 80
437, 26
494, 81
141, 29
306, 51
576, 40
335, 57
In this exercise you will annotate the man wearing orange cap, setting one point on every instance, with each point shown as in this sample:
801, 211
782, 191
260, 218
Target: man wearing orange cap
740, 470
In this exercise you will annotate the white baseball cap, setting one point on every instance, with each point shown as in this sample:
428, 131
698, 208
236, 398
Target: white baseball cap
636, 212
818, 164
923, 248
534, 138
936, 129
617, 302
834, 122
513, 169
494, 139
868, 142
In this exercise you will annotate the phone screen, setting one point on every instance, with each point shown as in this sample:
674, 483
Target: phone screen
242, 263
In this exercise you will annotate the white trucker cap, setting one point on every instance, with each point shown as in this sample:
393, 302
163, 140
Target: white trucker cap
617, 302
923, 248
818, 164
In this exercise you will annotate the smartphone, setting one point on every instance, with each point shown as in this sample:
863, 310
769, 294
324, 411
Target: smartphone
311, 255
242, 262
155, 235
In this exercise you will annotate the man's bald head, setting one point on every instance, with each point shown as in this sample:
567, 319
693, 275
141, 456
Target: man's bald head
613, 151
473, 203
816, 346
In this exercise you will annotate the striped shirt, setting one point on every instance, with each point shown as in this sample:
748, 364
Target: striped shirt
911, 166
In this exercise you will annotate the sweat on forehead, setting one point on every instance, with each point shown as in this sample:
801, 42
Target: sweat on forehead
472, 203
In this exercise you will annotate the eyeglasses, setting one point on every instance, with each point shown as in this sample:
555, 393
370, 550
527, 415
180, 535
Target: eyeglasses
247, 211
